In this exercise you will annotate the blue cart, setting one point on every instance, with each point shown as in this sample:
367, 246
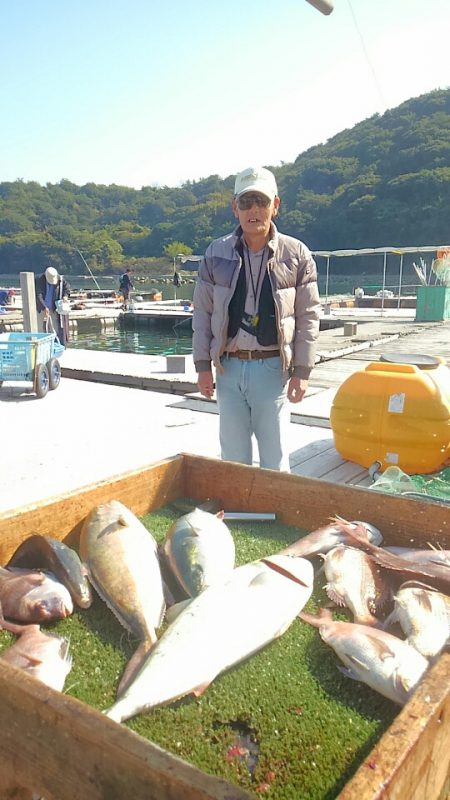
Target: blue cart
31, 357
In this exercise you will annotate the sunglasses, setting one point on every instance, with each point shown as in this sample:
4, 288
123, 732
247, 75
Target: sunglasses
246, 201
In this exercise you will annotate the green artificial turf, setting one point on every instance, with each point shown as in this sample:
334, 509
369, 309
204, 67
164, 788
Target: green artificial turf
285, 724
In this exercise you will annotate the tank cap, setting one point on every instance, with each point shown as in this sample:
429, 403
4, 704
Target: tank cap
416, 359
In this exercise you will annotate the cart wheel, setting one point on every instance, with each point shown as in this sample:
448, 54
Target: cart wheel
54, 373
41, 380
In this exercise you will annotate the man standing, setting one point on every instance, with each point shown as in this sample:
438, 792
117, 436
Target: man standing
256, 318
126, 284
51, 287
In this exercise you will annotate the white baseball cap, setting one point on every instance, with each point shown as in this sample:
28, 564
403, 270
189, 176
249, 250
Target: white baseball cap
51, 275
256, 179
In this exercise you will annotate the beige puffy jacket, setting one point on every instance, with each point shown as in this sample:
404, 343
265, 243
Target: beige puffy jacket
293, 277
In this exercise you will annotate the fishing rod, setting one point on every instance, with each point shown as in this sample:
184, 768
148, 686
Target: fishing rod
87, 267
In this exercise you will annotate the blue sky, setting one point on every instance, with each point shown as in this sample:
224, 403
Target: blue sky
139, 92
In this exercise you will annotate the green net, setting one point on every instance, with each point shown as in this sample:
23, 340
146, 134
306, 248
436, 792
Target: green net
395, 481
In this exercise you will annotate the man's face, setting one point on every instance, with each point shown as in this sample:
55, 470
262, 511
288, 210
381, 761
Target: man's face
254, 212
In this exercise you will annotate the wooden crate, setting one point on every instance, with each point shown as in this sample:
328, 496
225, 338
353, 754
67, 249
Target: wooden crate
60, 747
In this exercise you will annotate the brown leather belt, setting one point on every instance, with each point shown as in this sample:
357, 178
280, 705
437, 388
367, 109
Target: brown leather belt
253, 355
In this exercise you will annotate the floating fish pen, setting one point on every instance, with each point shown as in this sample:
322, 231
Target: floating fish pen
157, 315
65, 749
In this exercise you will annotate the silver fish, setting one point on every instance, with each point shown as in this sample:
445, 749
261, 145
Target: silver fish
42, 655
200, 550
424, 616
354, 581
33, 596
122, 562
387, 664
223, 625
324, 539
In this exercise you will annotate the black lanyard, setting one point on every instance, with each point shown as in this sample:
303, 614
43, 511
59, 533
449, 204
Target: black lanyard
260, 271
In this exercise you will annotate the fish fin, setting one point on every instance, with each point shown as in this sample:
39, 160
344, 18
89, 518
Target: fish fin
33, 661
402, 688
324, 615
283, 571
348, 673
334, 595
133, 665
199, 690
358, 662
391, 619
382, 649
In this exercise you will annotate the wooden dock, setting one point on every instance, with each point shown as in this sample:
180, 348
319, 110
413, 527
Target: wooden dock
108, 428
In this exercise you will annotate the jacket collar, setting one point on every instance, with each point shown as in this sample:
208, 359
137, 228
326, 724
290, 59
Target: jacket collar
238, 238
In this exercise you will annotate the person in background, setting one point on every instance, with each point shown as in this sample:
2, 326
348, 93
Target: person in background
50, 287
256, 322
126, 284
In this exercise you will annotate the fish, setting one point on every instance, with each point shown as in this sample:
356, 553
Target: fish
200, 550
33, 596
382, 661
43, 552
432, 554
121, 559
324, 539
225, 624
43, 655
424, 616
436, 575
354, 581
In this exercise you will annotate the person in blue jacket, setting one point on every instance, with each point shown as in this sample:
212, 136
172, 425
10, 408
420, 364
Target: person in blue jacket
50, 287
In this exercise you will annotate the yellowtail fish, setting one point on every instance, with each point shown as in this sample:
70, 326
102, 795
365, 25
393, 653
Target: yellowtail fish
121, 558
387, 664
223, 625
424, 616
200, 550
354, 581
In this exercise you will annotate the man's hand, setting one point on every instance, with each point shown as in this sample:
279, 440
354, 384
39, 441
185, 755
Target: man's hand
46, 313
206, 384
296, 389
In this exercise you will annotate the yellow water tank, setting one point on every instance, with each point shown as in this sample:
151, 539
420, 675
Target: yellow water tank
396, 412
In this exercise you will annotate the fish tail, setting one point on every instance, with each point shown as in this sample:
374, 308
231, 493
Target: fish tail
324, 615
114, 712
133, 666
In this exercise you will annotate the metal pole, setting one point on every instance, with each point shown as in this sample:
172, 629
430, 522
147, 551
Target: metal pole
326, 283
400, 274
384, 280
88, 267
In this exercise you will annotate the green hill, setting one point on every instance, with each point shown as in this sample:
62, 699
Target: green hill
386, 181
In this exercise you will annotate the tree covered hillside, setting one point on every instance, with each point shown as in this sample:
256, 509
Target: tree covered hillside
386, 181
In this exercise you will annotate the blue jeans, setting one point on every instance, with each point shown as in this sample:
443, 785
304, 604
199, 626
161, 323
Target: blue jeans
252, 399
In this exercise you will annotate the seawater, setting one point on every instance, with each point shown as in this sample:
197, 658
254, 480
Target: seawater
173, 340
170, 341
